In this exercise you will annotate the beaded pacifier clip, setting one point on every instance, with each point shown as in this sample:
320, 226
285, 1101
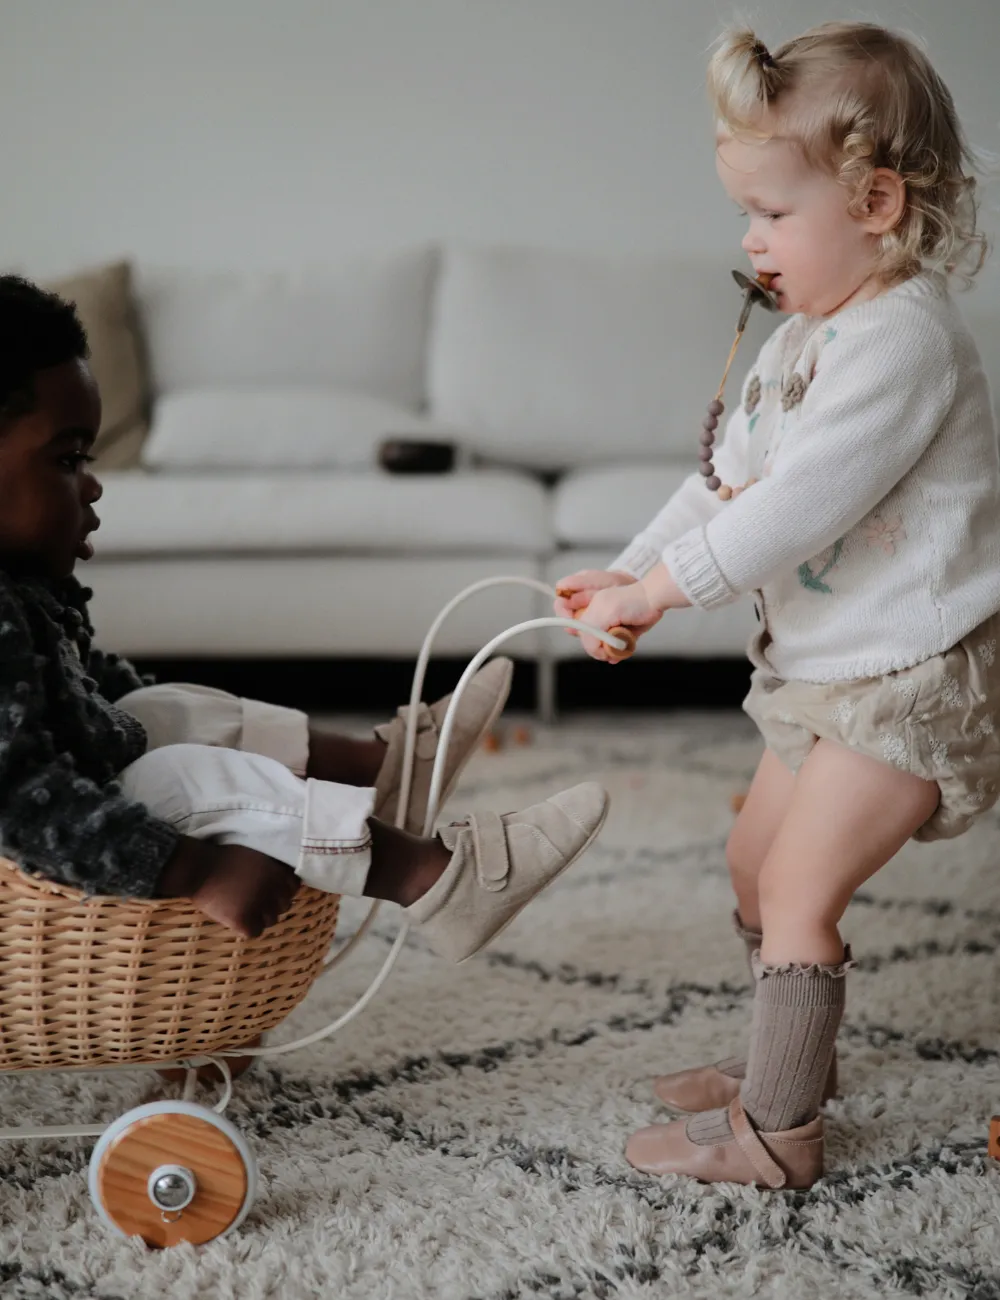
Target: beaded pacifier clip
757, 291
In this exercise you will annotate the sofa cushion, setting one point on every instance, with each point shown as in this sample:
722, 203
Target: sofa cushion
369, 513
276, 428
555, 360
363, 326
104, 303
608, 505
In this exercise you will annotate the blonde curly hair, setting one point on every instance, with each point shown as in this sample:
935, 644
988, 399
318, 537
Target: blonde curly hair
857, 97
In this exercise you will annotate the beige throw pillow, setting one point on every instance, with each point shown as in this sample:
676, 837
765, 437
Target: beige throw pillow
104, 304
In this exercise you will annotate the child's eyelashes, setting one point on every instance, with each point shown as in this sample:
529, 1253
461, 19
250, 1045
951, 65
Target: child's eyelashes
74, 459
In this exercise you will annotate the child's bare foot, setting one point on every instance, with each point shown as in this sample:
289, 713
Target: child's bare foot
240, 888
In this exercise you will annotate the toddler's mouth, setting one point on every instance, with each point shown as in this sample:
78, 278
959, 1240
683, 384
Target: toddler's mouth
85, 547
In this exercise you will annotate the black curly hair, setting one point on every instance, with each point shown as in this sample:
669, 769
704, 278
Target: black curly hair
37, 330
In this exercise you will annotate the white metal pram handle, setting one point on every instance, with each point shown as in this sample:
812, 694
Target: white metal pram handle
437, 780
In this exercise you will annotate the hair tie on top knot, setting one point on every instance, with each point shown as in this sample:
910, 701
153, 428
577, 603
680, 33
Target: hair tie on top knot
763, 55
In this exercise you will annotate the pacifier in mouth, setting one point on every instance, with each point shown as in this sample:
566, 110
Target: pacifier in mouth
757, 292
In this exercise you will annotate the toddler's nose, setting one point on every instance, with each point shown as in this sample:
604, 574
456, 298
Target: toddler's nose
752, 242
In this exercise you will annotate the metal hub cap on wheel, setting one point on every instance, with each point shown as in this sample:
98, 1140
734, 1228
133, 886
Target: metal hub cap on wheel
171, 1187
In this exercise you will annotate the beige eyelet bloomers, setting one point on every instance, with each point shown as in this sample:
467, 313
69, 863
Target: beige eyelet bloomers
938, 720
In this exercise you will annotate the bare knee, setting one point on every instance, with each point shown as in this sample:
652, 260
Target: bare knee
799, 922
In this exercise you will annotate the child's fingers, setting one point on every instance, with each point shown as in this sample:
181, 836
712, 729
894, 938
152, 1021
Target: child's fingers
581, 581
592, 645
569, 608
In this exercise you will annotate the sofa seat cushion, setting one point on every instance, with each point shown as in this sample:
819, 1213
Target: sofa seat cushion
608, 505
367, 513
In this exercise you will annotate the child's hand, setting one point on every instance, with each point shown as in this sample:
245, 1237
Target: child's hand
240, 888
578, 590
617, 606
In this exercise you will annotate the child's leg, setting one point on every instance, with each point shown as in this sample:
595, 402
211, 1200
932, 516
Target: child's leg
176, 713
462, 886
751, 838
709, 1086
183, 713
848, 815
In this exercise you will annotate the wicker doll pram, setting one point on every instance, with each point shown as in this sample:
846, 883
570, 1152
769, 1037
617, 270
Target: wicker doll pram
108, 983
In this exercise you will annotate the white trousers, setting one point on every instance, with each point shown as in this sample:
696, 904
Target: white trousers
232, 770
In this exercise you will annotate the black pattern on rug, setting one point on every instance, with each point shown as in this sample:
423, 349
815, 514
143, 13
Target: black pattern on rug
464, 1137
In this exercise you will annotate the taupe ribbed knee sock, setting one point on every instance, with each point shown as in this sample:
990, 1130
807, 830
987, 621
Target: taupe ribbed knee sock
796, 1015
736, 1066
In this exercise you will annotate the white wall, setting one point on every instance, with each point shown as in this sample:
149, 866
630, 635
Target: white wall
282, 132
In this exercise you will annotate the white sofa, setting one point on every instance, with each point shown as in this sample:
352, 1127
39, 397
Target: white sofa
260, 525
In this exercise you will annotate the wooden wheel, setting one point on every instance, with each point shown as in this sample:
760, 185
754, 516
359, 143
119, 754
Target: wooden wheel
172, 1171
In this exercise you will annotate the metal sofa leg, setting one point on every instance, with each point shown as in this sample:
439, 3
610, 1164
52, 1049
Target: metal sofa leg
546, 688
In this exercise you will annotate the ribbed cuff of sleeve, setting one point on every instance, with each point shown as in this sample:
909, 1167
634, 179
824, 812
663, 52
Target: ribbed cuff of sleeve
693, 567
637, 559
131, 864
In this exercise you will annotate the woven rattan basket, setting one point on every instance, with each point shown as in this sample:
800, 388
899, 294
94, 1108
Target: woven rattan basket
108, 981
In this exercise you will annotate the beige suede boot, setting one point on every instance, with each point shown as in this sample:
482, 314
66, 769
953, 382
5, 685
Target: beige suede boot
482, 703
499, 864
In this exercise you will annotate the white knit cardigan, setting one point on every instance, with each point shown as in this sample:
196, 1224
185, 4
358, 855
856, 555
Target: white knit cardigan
872, 537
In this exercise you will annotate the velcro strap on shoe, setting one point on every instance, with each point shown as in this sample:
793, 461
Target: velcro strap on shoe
490, 841
766, 1167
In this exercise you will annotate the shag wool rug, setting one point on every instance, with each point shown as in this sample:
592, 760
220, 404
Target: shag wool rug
464, 1137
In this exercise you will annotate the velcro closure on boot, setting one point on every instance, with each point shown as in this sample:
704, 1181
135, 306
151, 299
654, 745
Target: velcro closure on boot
490, 841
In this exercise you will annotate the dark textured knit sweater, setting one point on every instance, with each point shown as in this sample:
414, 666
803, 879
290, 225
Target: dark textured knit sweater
63, 743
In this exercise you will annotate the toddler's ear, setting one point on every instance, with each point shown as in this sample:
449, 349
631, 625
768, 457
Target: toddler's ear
883, 206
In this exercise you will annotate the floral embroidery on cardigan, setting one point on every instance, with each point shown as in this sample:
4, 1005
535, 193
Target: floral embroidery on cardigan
793, 390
